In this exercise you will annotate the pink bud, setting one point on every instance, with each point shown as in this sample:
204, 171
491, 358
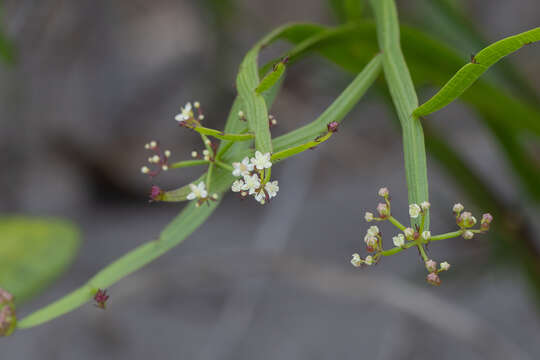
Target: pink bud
384, 192
433, 279
101, 298
333, 126
5, 297
431, 266
8, 319
155, 193
383, 210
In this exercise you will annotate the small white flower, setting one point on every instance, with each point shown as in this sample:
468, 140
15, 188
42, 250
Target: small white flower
458, 208
145, 170
445, 266
167, 153
468, 235
425, 205
194, 154
251, 183
409, 233
215, 196
426, 235
186, 114
196, 104
272, 188
368, 260
152, 144
154, 159
237, 185
373, 230
260, 197
414, 210
242, 168
368, 216
261, 161
383, 192
164, 167
197, 191
399, 240
356, 261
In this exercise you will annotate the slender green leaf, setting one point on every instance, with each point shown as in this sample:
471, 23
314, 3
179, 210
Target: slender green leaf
403, 94
469, 73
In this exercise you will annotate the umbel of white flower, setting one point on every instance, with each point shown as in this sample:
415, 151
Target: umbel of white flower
251, 182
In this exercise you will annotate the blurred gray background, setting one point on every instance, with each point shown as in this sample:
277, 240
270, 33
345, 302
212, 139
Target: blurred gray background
95, 80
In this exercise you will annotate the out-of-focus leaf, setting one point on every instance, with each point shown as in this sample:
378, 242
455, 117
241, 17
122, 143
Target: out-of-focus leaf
347, 10
33, 252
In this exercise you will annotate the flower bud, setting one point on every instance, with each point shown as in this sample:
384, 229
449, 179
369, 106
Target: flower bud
425, 206
383, 210
8, 319
101, 298
368, 260
156, 194
333, 126
433, 279
445, 266
426, 235
458, 208
468, 235
414, 210
371, 241
486, 221
409, 233
431, 266
466, 220
384, 192
368, 216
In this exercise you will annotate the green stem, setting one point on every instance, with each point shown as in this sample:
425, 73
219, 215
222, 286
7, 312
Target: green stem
228, 145
187, 163
421, 249
449, 235
281, 155
396, 223
207, 143
209, 177
223, 136
223, 165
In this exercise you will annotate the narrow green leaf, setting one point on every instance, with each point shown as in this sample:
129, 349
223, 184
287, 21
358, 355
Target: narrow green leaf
469, 73
404, 97
223, 136
271, 78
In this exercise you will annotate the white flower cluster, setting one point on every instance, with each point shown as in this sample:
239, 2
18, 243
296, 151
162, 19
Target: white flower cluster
251, 182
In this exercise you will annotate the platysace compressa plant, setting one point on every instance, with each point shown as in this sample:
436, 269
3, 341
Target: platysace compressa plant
419, 236
242, 156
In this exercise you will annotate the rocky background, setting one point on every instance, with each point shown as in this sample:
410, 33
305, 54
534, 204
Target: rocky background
97, 79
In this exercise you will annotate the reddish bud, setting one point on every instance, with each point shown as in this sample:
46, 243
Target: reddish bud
383, 210
156, 194
433, 279
101, 298
333, 126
